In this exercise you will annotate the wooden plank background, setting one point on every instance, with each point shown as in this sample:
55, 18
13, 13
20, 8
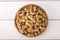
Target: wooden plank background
8, 11
24, 0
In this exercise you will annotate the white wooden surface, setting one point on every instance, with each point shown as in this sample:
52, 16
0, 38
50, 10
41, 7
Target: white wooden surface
24, 0
8, 11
